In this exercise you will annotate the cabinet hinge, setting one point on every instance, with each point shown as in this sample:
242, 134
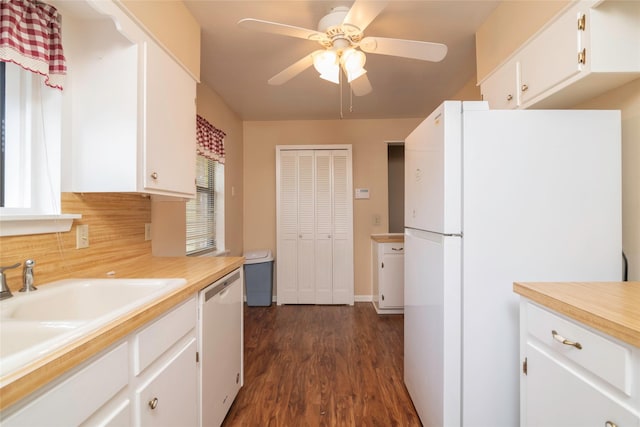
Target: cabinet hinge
197, 357
582, 22
582, 56
524, 366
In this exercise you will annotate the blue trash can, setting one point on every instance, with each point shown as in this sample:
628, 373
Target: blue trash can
258, 277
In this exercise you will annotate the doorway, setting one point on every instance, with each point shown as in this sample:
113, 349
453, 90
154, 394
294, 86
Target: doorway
395, 162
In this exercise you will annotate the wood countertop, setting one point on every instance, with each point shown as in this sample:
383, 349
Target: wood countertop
199, 273
388, 238
610, 307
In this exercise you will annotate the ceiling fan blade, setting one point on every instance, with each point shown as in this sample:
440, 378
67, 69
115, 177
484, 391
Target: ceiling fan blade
425, 51
363, 12
292, 70
361, 86
282, 29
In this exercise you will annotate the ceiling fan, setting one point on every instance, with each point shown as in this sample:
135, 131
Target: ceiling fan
341, 34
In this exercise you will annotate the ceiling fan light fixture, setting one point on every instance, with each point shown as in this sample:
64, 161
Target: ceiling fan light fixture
332, 75
353, 63
326, 63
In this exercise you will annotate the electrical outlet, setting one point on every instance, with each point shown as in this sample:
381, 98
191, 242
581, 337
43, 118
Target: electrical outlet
82, 236
147, 231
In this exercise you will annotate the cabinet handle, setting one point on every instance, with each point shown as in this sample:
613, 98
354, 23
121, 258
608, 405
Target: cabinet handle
153, 403
582, 56
509, 97
154, 175
610, 424
562, 340
582, 22
524, 88
382, 297
396, 249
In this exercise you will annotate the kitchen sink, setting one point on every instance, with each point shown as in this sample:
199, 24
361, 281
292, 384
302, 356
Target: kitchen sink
36, 323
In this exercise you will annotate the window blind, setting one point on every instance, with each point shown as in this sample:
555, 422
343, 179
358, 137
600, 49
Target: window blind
201, 211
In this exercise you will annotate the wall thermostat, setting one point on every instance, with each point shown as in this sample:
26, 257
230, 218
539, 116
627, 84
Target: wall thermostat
362, 193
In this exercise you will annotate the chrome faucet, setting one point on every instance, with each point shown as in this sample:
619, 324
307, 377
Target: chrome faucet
27, 276
5, 292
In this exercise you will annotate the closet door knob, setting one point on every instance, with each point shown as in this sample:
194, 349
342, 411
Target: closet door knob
154, 175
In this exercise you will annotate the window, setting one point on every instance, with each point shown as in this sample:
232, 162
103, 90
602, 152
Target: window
205, 212
31, 129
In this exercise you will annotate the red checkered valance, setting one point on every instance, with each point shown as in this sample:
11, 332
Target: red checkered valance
210, 140
30, 36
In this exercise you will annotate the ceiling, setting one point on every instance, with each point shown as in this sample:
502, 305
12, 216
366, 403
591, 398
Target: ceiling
236, 62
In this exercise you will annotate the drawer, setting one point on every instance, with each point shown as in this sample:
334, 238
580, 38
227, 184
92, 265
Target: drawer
158, 337
602, 357
393, 248
109, 370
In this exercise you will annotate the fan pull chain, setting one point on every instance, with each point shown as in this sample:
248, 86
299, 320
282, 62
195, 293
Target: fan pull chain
340, 80
350, 99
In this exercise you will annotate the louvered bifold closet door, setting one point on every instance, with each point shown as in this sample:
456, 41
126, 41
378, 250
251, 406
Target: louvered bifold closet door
323, 228
342, 236
306, 207
287, 230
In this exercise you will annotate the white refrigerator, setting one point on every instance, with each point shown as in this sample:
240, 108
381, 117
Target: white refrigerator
493, 197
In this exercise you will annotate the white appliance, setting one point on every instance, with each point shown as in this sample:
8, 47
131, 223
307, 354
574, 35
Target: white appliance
220, 347
494, 197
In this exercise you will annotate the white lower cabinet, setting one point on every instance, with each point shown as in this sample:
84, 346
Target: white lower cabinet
388, 276
158, 389
77, 397
169, 397
573, 375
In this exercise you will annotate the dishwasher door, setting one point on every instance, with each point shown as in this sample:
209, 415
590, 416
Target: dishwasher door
220, 340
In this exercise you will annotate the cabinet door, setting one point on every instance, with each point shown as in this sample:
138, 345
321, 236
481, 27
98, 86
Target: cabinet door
551, 58
170, 397
392, 281
501, 88
170, 127
553, 395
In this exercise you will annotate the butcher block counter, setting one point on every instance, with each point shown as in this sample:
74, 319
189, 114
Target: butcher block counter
610, 307
388, 238
199, 272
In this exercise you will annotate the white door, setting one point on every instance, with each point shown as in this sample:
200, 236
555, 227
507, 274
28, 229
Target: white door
315, 226
342, 228
323, 228
432, 322
287, 227
433, 172
306, 220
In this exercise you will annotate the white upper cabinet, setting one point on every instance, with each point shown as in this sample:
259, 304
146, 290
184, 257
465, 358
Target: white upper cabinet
587, 49
129, 111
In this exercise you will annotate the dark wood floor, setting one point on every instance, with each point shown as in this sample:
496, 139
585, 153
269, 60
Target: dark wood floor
322, 366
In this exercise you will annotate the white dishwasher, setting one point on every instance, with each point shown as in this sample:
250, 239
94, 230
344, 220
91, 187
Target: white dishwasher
220, 347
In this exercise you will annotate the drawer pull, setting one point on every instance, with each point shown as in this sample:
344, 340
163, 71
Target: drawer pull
610, 424
153, 403
563, 340
396, 249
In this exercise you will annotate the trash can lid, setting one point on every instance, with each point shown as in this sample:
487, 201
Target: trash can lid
257, 256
